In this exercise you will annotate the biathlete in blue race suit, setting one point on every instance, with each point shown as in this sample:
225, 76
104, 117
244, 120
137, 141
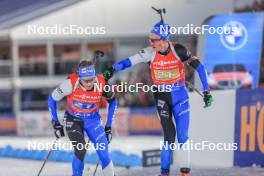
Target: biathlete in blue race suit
82, 115
166, 60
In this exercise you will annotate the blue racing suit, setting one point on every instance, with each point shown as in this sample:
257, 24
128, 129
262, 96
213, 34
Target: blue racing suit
173, 103
89, 122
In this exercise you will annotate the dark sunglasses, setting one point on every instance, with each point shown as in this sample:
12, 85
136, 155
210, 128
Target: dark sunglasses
88, 80
154, 40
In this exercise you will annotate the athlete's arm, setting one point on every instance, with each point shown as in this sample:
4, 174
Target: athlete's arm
64, 89
143, 56
193, 61
112, 100
185, 56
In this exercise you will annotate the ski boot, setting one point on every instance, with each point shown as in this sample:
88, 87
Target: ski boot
185, 171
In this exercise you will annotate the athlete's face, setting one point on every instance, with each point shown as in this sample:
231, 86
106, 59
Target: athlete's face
88, 82
157, 43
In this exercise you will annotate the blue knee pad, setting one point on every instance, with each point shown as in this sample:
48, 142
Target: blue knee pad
181, 114
182, 124
103, 155
77, 166
96, 133
183, 128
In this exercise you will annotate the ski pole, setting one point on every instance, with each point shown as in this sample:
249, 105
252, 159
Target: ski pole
46, 159
194, 88
96, 167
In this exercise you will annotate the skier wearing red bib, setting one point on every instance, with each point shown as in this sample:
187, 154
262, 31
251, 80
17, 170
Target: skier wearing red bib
82, 115
166, 60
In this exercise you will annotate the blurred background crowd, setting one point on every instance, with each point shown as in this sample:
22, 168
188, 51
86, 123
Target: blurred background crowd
38, 61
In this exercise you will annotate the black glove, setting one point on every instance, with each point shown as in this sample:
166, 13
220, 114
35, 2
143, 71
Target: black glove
208, 99
108, 133
108, 73
58, 129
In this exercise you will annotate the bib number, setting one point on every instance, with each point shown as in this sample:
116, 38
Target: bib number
164, 75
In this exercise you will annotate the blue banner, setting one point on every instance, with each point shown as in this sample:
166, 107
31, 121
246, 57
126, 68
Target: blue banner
232, 56
249, 128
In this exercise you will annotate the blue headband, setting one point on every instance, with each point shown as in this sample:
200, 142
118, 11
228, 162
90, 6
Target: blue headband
161, 29
87, 71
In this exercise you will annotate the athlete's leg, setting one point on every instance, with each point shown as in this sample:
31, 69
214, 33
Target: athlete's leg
181, 113
95, 132
165, 115
74, 128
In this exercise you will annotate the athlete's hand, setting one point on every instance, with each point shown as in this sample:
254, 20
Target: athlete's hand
58, 129
108, 133
108, 73
208, 99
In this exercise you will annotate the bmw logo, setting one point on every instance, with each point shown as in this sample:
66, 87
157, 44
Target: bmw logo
235, 35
